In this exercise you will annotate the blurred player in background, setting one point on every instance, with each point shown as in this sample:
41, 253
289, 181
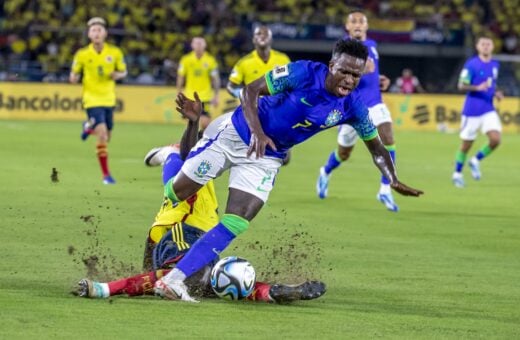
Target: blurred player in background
100, 65
256, 64
479, 79
177, 227
370, 88
198, 72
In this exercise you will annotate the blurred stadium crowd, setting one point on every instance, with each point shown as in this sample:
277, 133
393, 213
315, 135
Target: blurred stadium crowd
38, 38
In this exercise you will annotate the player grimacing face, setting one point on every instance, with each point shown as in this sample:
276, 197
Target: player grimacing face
485, 47
357, 25
345, 71
262, 37
97, 34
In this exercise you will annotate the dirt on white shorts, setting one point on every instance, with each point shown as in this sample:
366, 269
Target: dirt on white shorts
379, 114
210, 157
469, 126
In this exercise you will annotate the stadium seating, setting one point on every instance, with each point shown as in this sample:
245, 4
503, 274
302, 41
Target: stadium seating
39, 37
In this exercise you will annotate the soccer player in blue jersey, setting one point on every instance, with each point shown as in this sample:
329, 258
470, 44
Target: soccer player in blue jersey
298, 100
369, 87
478, 78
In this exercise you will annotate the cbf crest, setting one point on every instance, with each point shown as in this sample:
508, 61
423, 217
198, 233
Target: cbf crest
203, 169
333, 118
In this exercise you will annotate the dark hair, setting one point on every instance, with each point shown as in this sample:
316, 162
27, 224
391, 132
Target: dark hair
350, 47
356, 10
482, 36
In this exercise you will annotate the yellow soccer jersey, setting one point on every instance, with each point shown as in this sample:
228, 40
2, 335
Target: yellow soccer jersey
197, 73
98, 86
251, 67
198, 211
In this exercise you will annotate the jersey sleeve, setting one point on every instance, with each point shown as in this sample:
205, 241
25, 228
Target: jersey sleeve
237, 74
120, 61
466, 74
77, 63
361, 121
287, 77
181, 71
213, 67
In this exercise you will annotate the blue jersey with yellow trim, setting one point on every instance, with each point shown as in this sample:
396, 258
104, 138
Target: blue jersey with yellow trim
300, 106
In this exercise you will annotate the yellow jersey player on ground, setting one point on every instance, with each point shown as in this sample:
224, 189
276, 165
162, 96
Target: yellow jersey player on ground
177, 227
100, 65
256, 64
198, 72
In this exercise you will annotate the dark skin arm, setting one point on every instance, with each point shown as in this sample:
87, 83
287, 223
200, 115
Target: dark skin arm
190, 110
259, 140
384, 163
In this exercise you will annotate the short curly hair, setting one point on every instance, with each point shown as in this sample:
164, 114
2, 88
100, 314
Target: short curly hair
350, 47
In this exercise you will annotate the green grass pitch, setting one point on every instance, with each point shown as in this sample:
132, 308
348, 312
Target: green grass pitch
446, 266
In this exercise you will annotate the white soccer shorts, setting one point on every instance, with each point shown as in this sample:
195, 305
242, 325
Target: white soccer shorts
379, 114
212, 156
489, 121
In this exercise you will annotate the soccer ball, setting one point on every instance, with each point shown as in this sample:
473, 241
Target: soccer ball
233, 278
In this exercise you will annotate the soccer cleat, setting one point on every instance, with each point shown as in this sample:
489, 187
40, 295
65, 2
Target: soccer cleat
388, 201
90, 289
157, 156
86, 130
474, 166
458, 180
176, 290
108, 180
322, 185
308, 290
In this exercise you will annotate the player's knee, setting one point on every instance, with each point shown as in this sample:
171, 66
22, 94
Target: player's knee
344, 153
494, 142
235, 224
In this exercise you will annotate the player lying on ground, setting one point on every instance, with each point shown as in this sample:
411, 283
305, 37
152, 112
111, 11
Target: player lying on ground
298, 100
175, 230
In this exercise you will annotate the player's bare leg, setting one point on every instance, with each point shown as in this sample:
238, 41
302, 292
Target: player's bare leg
460, 159
384, 195
494, 138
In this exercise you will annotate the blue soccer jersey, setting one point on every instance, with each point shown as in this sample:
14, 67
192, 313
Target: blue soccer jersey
369, 84
475, 72
300, 106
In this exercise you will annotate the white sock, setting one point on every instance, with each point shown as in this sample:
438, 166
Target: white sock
105, 291
174, 275
474, 160
385, 189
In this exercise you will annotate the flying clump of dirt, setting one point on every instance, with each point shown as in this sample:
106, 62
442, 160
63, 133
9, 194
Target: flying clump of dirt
54, 176
97, 259
291, 255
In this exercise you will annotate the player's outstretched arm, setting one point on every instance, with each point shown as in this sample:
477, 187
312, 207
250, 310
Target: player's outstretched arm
190, 109
259, 140
384, 163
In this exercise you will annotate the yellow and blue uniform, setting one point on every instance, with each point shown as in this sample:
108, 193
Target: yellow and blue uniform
197, 73
99, 96
178, 226
251, 67
98, 86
